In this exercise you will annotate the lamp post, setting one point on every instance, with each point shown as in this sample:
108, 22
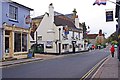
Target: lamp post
60, 41
59, 34
56, 46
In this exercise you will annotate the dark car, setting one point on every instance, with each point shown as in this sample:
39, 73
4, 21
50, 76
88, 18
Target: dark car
37, 48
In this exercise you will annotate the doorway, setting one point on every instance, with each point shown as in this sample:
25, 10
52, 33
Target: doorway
7, 41
6, 44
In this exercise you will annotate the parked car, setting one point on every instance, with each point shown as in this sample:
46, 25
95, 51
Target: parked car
91, 46
37, 48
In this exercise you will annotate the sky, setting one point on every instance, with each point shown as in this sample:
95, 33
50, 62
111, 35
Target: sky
93, 16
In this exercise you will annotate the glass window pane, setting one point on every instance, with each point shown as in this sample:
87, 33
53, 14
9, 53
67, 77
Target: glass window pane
24, 42
13, 12
17, 42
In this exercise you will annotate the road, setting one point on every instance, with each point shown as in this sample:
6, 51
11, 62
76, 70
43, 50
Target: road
71, 66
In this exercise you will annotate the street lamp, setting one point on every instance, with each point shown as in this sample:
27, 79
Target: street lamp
59, 40
59, 34
56, 41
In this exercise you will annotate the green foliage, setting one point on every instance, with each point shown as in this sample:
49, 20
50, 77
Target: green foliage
114, 42
112, 37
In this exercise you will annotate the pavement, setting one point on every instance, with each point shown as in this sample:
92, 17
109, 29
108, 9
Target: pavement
26, 60
109, 70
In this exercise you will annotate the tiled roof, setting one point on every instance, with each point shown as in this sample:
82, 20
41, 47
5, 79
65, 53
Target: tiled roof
38, 17
62, 20
92, 36
69, 15
41, 17
57, 13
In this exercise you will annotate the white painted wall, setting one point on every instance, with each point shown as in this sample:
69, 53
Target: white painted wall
77, 23
70, 35
48, 30
81, 36
76, 34
45, 30
51, 13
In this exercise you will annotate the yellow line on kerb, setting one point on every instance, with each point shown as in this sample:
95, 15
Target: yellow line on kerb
90, 71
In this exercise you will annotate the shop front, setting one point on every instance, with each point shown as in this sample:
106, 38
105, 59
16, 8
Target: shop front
16, 41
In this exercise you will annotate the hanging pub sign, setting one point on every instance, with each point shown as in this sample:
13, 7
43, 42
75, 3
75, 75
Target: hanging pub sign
66, 30
109, 16
27, 19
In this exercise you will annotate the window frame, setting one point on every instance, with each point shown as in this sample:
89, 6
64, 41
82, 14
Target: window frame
21, 41
13, 13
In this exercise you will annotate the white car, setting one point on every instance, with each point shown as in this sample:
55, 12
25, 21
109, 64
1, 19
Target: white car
115, 46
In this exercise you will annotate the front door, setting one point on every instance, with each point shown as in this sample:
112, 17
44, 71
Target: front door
7, 44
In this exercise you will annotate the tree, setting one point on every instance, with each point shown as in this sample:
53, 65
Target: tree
112, 37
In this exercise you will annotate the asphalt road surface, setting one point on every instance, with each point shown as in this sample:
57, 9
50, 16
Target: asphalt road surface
71, 66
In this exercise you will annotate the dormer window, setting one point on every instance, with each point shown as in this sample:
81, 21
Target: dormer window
13, 13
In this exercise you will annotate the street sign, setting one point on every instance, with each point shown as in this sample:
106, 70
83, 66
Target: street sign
109, 16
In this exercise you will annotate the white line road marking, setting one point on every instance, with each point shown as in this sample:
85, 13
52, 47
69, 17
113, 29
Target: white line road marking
90, 71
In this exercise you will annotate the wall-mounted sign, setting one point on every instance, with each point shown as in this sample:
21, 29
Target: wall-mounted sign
109, 16
27, 19
49, 44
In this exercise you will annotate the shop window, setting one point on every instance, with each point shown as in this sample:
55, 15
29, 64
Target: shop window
70, 46
17, 42
64, 46
40, 38
24, 42
6, 44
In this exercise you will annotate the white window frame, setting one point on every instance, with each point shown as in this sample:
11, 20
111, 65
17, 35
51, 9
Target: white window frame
13, 13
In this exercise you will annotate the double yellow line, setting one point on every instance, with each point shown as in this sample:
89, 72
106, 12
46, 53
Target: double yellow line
95, 67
